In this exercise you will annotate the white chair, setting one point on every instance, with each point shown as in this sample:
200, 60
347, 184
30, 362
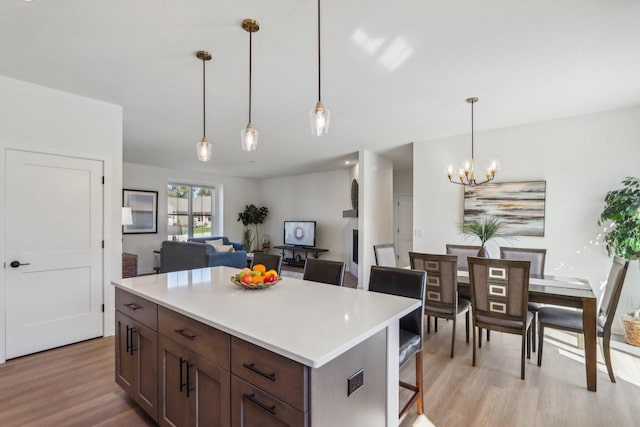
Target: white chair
385, 255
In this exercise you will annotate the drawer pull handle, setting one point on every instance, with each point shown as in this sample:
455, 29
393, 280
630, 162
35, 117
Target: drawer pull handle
184, 334
252, 397
252, 367
133, 306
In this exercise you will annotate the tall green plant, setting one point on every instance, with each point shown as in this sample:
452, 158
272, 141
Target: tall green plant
621, 215
485, 229
252, 215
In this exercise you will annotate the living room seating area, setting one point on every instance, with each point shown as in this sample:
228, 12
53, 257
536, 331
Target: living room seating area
197, 253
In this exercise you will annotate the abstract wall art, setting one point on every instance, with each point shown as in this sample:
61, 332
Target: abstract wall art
520, 205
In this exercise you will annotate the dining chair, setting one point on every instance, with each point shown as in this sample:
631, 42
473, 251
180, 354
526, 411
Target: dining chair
270, 261
536, 257
441, 300
499, 296
324, 271
385, 255
463, 252
571, 320
410, 284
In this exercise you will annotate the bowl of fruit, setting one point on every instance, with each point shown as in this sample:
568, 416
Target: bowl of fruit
256, 278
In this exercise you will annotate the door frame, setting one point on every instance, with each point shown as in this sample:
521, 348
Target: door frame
396, 222
112, 242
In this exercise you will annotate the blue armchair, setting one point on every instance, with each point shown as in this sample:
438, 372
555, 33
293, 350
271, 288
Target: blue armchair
177, 256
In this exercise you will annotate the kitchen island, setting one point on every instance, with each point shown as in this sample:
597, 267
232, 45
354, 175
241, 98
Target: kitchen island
300, 352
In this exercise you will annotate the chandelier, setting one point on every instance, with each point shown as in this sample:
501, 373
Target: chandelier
466, 173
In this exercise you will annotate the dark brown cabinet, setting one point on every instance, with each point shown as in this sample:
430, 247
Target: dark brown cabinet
137, 362
251, 407
194, 377
185, 373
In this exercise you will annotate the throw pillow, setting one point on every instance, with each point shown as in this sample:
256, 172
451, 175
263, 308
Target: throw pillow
219, 246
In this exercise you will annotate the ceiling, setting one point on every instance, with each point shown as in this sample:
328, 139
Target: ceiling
393, 72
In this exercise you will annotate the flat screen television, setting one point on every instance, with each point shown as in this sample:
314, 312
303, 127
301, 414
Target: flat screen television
300, 233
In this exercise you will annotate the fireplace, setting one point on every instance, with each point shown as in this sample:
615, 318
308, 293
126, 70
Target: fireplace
354, 247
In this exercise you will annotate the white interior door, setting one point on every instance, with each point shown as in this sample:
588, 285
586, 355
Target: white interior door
404, 228
54, 228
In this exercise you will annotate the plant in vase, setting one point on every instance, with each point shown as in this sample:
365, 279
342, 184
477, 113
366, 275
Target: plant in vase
252, 215
266, 243
485, 229
621, 217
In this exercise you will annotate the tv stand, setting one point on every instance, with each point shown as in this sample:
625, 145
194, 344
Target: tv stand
298, 260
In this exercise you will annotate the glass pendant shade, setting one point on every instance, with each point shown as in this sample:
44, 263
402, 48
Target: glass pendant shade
320, 118
204, 150
249, 138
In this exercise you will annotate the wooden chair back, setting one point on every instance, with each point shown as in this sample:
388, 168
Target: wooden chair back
612, 292
499, 290
535, 256
463, 252
442, 278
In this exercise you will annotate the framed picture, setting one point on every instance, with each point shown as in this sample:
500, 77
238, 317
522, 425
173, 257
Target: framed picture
519, 205
144, 210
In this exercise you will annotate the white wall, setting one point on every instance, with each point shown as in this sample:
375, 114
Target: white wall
580, 158
41, 119
375, 221
236, 193
319, 197
403, 181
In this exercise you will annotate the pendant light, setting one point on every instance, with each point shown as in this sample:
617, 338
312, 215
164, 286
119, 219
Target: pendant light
319, 116
466, 174
249, 136
203, 148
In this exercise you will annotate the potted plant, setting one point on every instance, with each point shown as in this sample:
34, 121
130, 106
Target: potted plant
485, 229
621, 217
266, 243
252, 215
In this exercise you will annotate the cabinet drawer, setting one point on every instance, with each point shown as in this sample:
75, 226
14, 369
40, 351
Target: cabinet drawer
278, 375
208, 342
137, 308
252, 406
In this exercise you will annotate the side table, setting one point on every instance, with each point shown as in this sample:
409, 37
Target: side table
129, 265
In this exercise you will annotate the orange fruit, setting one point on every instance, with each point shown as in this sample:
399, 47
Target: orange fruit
260, 267
257, 279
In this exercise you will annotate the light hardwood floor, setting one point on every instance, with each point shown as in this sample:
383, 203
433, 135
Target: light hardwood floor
492, 393
74, 386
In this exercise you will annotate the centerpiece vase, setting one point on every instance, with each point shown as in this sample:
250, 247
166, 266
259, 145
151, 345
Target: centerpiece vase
483, 253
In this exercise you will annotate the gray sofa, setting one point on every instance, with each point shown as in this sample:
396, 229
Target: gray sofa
178, 256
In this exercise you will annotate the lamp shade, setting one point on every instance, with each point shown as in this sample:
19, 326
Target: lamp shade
127, 217
174, 230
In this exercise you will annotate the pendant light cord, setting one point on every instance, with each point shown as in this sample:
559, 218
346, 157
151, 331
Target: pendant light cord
472, 132
250, 66
204, 101
319, 76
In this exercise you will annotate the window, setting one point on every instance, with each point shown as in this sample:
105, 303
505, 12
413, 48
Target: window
190, 211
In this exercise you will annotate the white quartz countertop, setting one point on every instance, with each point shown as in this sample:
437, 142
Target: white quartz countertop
311, 323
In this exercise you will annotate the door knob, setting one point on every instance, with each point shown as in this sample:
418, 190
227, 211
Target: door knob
16, 264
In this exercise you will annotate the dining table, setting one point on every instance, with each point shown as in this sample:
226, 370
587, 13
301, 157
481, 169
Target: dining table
567, 292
